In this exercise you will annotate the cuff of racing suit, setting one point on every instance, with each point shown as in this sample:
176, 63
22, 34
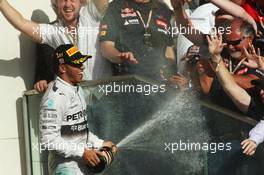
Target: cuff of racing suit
256, 139
79, 152
256, 134
94, 141
98, 144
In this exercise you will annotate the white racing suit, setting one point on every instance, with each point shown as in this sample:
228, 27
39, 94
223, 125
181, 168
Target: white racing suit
64, 129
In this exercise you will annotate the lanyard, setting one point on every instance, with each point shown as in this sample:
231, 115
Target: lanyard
146, 26
72, 38
237, 66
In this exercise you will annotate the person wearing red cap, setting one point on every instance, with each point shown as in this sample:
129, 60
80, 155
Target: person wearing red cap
63, 123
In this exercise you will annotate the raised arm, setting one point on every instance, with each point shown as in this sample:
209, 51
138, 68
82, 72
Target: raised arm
29, 28
254, 59
238, 95
101, 5
235, 10
182, 19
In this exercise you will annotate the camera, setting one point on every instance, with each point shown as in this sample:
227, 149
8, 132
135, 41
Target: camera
193, 55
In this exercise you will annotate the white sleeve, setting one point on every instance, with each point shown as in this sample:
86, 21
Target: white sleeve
257, 133
93, 12
53, 35
46, 34
51, 113
95, 141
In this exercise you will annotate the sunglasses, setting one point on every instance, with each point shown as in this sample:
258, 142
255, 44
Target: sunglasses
234, 42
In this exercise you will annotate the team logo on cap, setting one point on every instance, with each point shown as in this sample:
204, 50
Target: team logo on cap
81, 60
72, 51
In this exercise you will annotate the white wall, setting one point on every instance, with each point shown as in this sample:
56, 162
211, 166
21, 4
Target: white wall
17, 64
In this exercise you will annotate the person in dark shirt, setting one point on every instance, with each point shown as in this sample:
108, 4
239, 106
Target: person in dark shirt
135, 34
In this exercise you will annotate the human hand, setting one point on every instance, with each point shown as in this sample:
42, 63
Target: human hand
129, 56
91, 157
181, 81
253, 23
111, 145
249, 147
41, 85
215, 46
254, 60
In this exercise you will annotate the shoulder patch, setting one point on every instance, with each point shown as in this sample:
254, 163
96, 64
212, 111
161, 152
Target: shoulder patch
54, 87
103, 33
